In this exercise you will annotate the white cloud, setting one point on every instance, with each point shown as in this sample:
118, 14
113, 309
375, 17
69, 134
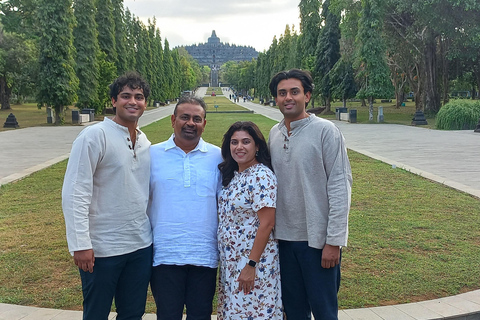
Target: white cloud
240, 22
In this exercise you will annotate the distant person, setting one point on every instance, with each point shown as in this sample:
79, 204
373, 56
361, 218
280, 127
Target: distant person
310, 160
249, 277
104, 200
184, 184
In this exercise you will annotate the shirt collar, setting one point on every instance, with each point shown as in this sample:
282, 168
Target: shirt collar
201, 146
295, 125
120, 127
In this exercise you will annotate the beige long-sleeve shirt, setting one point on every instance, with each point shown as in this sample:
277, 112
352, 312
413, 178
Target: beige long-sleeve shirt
314, 182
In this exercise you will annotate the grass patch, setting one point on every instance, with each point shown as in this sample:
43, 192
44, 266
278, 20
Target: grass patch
218, 91
222, 103
392, 115
28, 115
410, 239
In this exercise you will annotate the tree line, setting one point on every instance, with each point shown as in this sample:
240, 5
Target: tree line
65, 52
375, 49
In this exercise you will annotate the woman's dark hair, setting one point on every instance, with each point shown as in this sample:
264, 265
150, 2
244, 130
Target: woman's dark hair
229, 165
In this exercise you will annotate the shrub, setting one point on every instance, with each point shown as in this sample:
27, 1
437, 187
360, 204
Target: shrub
459, 115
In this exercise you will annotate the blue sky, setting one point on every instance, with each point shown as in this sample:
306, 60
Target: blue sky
240, 22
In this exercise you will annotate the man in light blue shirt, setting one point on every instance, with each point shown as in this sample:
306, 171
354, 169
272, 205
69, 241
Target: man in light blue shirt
184, 184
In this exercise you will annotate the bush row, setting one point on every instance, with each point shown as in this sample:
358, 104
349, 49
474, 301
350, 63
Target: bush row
459, 115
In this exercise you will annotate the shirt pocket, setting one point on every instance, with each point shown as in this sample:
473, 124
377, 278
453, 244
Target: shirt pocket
206, 185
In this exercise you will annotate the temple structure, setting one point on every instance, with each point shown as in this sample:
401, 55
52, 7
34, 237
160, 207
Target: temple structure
215, 53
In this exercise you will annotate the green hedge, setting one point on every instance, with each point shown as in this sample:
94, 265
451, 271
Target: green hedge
459, 115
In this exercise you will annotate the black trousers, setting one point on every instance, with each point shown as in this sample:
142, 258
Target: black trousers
124, 278
306, 286
174, 287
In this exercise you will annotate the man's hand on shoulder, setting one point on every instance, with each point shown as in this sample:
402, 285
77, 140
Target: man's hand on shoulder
330, 256
84, 259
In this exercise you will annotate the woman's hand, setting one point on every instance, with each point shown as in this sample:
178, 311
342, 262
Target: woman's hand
246, 280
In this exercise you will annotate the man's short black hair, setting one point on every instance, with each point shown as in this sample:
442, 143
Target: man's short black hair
191, 99
133, 80
303, 75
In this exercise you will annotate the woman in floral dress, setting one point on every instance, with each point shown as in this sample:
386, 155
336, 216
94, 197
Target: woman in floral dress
249, 277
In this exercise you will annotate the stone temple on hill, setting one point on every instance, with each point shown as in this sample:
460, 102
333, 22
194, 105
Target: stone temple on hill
215, 53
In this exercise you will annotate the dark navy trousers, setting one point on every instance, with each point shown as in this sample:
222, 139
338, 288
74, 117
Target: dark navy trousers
174, 287
306, 286
124, 278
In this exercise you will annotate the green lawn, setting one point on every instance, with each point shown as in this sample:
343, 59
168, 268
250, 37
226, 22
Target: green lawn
217, 90
28, 115
402, 115
410, 239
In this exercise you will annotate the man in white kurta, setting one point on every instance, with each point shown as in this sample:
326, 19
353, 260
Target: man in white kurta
104, 200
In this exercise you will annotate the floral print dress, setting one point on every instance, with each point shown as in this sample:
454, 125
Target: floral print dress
247, 193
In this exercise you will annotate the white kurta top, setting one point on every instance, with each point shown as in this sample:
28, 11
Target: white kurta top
105, 191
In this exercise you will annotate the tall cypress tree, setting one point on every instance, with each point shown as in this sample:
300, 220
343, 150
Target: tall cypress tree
58, 82
177, 70
272, 53
309, 31
152, 67
328, 52
343, 80
157, 53
108, 72
284, 50
262, 78
143, 47
169, 69
372, 68
106, 30
120, 36
130, 41
86, 43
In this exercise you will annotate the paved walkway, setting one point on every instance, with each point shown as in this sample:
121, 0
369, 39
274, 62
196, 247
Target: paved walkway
448, 157
24, 151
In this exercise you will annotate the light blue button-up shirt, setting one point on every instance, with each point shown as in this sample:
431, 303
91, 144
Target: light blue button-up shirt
183, 203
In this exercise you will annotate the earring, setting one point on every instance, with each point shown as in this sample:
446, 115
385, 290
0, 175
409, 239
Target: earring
256, 154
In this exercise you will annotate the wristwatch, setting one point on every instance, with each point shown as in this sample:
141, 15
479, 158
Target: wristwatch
252, 263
